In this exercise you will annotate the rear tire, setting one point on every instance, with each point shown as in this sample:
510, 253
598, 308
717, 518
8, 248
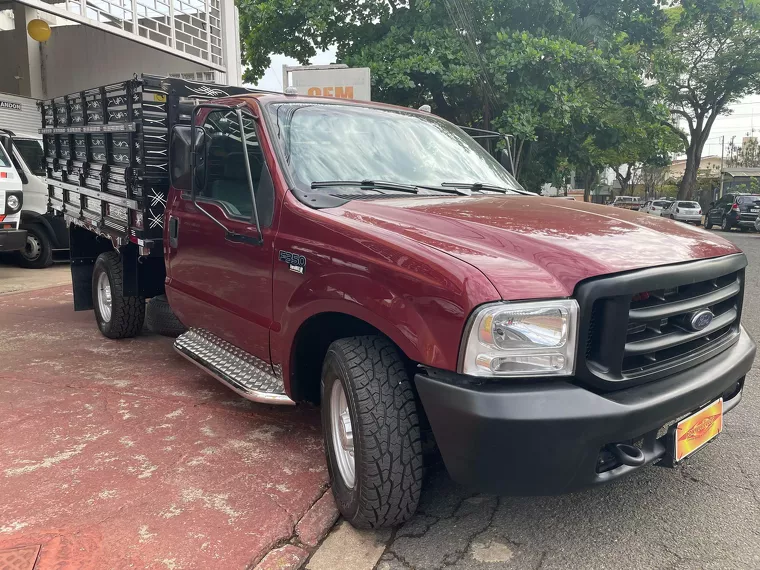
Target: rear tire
725, 224
371, 431
117, 315
38, 251
708, 223
160, 318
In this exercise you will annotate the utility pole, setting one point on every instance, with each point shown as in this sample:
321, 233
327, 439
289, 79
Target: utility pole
722, 140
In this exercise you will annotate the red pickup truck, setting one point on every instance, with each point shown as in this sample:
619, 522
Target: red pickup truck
378, 261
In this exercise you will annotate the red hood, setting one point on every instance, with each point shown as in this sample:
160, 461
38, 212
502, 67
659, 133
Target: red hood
538, 247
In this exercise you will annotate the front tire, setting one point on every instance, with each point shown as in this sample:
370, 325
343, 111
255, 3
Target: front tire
38, 251
117, 315
371, 431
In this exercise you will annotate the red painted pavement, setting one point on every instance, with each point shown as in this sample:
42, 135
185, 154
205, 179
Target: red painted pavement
120, 454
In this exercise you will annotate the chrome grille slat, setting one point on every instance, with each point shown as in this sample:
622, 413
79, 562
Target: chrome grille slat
680, 336
672, 309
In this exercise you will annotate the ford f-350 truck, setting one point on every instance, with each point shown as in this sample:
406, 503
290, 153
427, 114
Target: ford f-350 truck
378, 261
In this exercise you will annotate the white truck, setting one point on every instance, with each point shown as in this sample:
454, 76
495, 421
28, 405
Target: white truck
11, 197
45, 233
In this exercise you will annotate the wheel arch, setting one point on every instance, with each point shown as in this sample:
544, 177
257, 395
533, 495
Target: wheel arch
311, 340
29, 217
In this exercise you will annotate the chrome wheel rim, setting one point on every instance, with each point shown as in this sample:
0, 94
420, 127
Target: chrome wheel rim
33, 247
342, 434
104, 296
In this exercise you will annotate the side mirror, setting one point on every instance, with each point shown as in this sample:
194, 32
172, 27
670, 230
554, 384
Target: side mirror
181, 155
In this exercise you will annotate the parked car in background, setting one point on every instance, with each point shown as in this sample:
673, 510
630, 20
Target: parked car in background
684, 211
627, 202
734, 211
655, 206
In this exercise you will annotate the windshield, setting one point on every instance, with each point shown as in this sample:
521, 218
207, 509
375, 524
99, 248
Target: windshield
4, 162
32, 153
748, 199
322, 142
688, 205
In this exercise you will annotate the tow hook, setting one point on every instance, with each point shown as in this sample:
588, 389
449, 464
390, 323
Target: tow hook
627, 454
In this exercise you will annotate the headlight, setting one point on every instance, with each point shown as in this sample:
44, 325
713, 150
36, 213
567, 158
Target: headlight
522, 339
13, 203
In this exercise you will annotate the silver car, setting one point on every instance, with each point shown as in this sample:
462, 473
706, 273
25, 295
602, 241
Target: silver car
684, 211
655, 206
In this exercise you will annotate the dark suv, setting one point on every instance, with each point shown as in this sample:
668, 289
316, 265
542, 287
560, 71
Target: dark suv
734, 211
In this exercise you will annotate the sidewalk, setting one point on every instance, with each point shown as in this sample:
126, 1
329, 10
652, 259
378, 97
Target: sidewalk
120, 454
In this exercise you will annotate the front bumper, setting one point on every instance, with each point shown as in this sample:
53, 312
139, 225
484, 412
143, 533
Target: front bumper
12, 240
547, 437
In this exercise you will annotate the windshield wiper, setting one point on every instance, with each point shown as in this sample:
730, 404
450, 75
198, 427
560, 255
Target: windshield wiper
381, 185
478, 186
367, 184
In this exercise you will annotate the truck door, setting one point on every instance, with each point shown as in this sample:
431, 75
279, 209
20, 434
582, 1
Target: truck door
220, 278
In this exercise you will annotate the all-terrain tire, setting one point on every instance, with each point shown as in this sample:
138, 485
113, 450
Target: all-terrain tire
127, 312
386, 433
160, 318
38, 251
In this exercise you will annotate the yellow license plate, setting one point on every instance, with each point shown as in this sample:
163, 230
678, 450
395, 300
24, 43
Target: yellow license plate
699, 428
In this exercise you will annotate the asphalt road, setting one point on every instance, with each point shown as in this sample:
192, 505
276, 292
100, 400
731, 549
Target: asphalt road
703, 515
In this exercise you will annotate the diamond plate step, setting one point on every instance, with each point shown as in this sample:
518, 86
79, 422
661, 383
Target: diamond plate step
247, 375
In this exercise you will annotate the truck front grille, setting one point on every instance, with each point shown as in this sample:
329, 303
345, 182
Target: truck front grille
641, 325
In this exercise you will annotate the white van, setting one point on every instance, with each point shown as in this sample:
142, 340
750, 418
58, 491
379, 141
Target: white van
45, 233
11, 199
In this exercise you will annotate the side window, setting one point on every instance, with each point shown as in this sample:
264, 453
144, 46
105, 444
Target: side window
32, 154
225, 180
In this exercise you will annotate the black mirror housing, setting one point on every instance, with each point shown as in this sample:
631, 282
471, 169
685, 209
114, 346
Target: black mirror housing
181, 153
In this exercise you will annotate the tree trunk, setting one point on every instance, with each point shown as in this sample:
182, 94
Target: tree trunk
588, 182
689, 182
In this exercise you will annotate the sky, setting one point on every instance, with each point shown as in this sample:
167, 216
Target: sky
743, 121
272, 80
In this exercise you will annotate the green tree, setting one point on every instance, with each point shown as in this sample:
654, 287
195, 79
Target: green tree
550, 72
710, 59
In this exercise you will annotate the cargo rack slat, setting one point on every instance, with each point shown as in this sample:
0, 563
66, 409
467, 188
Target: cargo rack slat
107, 153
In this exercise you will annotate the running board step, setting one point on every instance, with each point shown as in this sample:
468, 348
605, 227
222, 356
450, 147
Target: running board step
247, 375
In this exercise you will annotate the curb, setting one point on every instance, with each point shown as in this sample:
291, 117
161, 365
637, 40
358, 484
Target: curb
308, 532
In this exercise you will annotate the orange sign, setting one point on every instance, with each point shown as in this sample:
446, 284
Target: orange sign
346, 92
696, 430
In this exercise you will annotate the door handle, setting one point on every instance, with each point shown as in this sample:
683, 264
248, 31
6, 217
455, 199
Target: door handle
173, 231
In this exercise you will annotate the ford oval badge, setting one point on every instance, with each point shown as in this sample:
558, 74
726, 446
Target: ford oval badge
700, 320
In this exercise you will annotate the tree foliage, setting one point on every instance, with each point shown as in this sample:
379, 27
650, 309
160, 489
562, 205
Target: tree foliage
746, 155
710, 59
565, 77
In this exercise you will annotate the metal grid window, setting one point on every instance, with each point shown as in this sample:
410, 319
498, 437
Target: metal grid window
190, 26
